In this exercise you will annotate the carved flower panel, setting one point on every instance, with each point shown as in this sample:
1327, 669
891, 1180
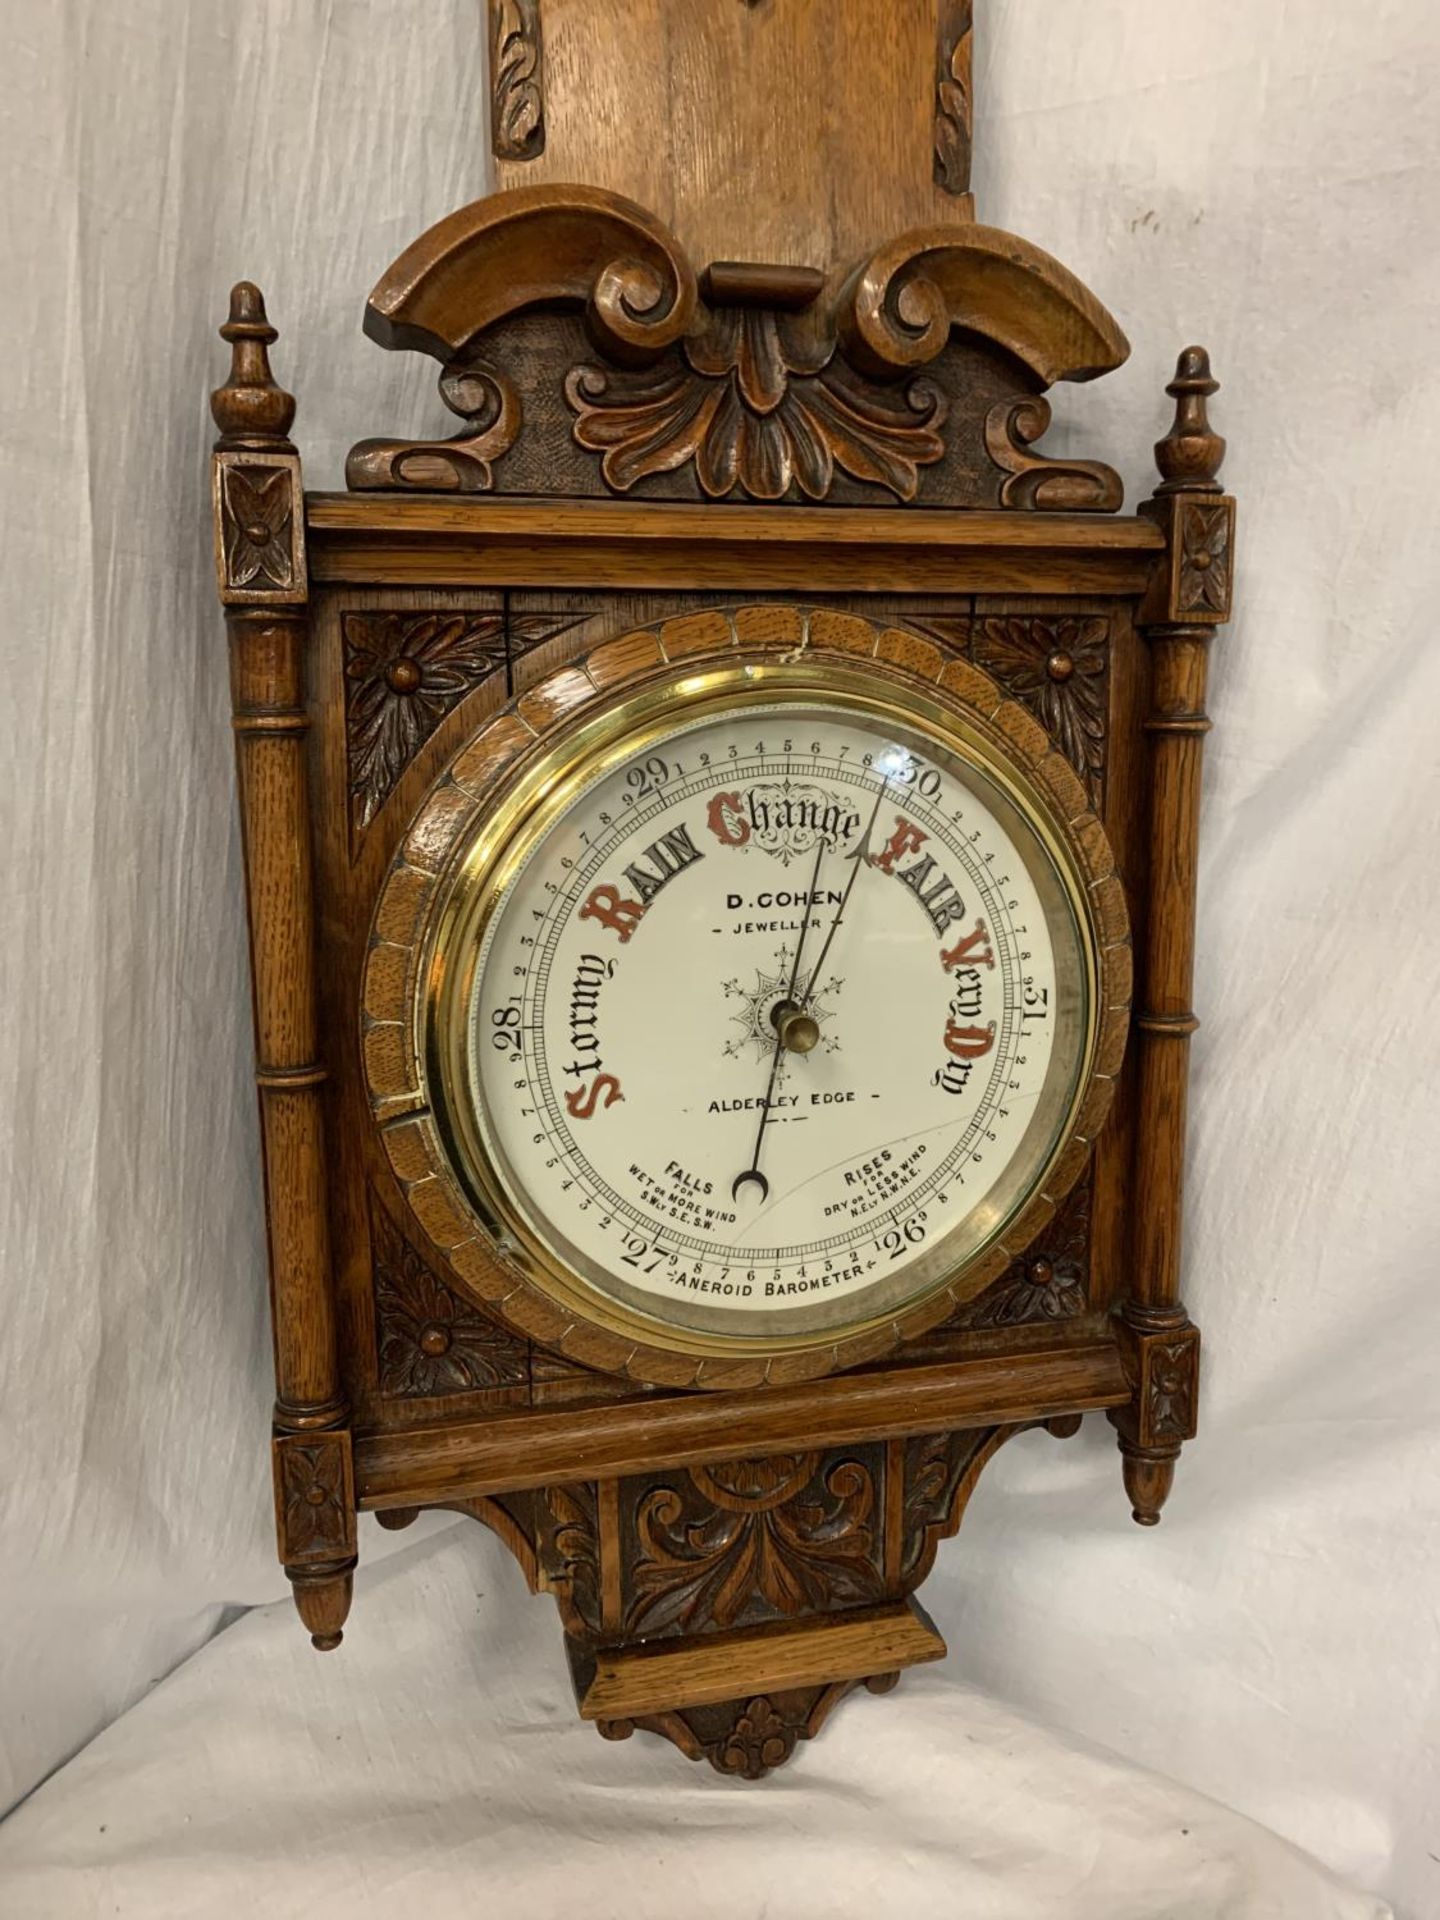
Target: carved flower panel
428, 1339
405, 671
726, 1546
1046, 1283
1058, 667
755, 405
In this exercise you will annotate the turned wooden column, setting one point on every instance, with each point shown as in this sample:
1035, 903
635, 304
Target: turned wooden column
260, 559
1189, 599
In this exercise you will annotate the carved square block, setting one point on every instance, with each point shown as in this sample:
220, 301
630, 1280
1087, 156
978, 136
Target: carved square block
259, 529
314, 1497
1167, 1387
1196, 589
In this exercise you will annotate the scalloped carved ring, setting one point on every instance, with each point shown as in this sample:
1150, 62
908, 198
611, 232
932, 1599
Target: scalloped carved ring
514, 744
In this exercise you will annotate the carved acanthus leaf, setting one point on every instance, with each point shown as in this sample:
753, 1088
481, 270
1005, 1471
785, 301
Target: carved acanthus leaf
953, 96
756, 405
517, 98
941, 1471
754, 1540
568, 1553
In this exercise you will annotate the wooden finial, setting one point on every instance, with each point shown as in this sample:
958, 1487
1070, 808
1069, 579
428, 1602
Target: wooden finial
250, 409
1190, 455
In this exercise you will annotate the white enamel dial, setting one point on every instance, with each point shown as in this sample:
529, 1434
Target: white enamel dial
776, 1021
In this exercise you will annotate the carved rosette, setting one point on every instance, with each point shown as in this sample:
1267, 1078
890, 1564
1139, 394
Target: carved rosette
428, 1340
405, 671
1169, 1381
755, 404
751, 1540
1047, 1283
260, 549
1057, 667
1203, 536
314, 1497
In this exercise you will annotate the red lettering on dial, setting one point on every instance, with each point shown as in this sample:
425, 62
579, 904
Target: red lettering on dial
612, 910
971, 950
580, 1102
726, 820
969, 1043
905, 839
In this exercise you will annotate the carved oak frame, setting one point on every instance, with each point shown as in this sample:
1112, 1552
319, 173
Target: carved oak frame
725, 1603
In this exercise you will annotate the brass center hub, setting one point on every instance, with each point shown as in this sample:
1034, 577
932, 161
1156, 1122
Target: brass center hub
799, 1031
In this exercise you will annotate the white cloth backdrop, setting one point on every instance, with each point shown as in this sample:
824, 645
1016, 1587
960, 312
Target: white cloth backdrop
1259, 175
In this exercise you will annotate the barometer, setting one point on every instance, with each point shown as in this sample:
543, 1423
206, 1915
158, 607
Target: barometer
758, 1009
720, 835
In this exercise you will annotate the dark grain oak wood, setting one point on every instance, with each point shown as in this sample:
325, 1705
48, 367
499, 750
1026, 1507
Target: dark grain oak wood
460, 1459
629, 1683
373, 540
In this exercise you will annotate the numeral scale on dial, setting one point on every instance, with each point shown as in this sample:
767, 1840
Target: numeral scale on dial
766, 1013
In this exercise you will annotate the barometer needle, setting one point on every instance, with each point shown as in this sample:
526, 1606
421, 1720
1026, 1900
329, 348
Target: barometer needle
860, 857
793, 1016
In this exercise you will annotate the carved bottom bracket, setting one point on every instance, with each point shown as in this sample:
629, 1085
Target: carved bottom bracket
730, 1606
748, 1738
794, 1675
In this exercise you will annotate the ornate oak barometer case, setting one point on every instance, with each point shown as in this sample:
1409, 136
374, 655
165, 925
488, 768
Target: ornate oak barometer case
696, 821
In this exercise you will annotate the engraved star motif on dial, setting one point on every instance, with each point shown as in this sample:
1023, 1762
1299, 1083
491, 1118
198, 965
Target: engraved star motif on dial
653, 1006
753, 1018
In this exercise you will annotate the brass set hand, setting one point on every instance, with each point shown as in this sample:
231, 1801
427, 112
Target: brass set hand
796, 1029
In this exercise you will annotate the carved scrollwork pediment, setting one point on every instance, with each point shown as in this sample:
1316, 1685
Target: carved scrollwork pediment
913, 374
531, 247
